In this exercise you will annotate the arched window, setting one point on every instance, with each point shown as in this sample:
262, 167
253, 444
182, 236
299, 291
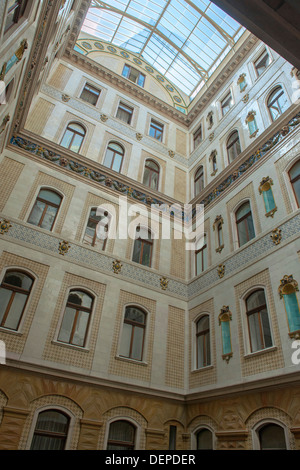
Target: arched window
294, 174
76, 318
244, 222
272, 437
45, 209
258, 321
73, 137
121, 436
114, 156
233, 146
96, 229
277, 103
14, 294
204, 439
201, 257
203, 342
199, 180
151, 174
143, 247
51, 431
133, 333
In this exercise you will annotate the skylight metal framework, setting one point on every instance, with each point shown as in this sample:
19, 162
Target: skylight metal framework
182, 39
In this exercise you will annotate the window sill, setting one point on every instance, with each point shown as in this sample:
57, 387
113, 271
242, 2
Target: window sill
72, 346
132, 361
9, 331
260, 352
202, 369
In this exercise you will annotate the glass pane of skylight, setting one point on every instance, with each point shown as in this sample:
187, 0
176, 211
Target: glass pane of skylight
161, 30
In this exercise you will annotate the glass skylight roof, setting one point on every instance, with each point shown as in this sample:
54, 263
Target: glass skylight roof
184, 40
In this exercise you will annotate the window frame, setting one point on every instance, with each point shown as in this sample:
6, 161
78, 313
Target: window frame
241, 220
114, 152
198, 133
47, 203
261, 424
151, 171
88, 84
75, 132
197, 177
202, 250
15, 290
134, 325
140, 74
17, 7
207, 336
258, 58
278, 91
129, 421
228, 97
125, 107
233, 145
252, 312
156, 126
85, 309
57, 408
94, 241
143, 242
292, 181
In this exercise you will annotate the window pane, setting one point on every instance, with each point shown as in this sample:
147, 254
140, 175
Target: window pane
256, 341
49, 217
137, 344
296, 187
255, 300
36, 213
76, 144
5, 296
126, 339
137, 251
146, 258
146, 179
18, 279
243, 210
135, 314
15, 311
117, 163
272, 437
266, 328
66, 140
154, 181
108, 158
67, 325
250, 225
50, 196
80, 298
81, 327
200, 351
204, 440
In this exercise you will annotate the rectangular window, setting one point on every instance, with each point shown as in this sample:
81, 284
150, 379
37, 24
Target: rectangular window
133, 75
197, 136
156, 130
172, 437
90, 94
226, 104
262, 63
125, 113
15, 11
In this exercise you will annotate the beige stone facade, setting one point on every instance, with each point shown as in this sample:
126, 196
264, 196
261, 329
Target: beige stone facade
158, 386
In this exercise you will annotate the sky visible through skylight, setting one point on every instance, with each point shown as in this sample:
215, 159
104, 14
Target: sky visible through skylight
184, 40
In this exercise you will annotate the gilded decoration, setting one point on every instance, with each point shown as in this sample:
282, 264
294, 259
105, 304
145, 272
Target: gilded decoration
5, 120
211, 136
218, 220
63, 247
4, 226
265, 185
210, 119
65, 97
246, 98
117, 266
103, 117
171, 153
221, 270
276, 236
288, 285
139, 136
225, 314
164, 283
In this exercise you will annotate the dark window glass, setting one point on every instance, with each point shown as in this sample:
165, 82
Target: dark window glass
199, 180
96, 229
203, 342
156, 130
262, 63
272, 437
197, 137
277, 103
73, 137
233, 146
51, 431
295, 180
90, 94
151, 174
76, 318
114, 156
121, 436
45, 209
226, 104
258, 321
204, 440
125, 113
133, 75
245, 224
142, 250
201, 258
14, 294
172, 437
15, 11
132, 343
